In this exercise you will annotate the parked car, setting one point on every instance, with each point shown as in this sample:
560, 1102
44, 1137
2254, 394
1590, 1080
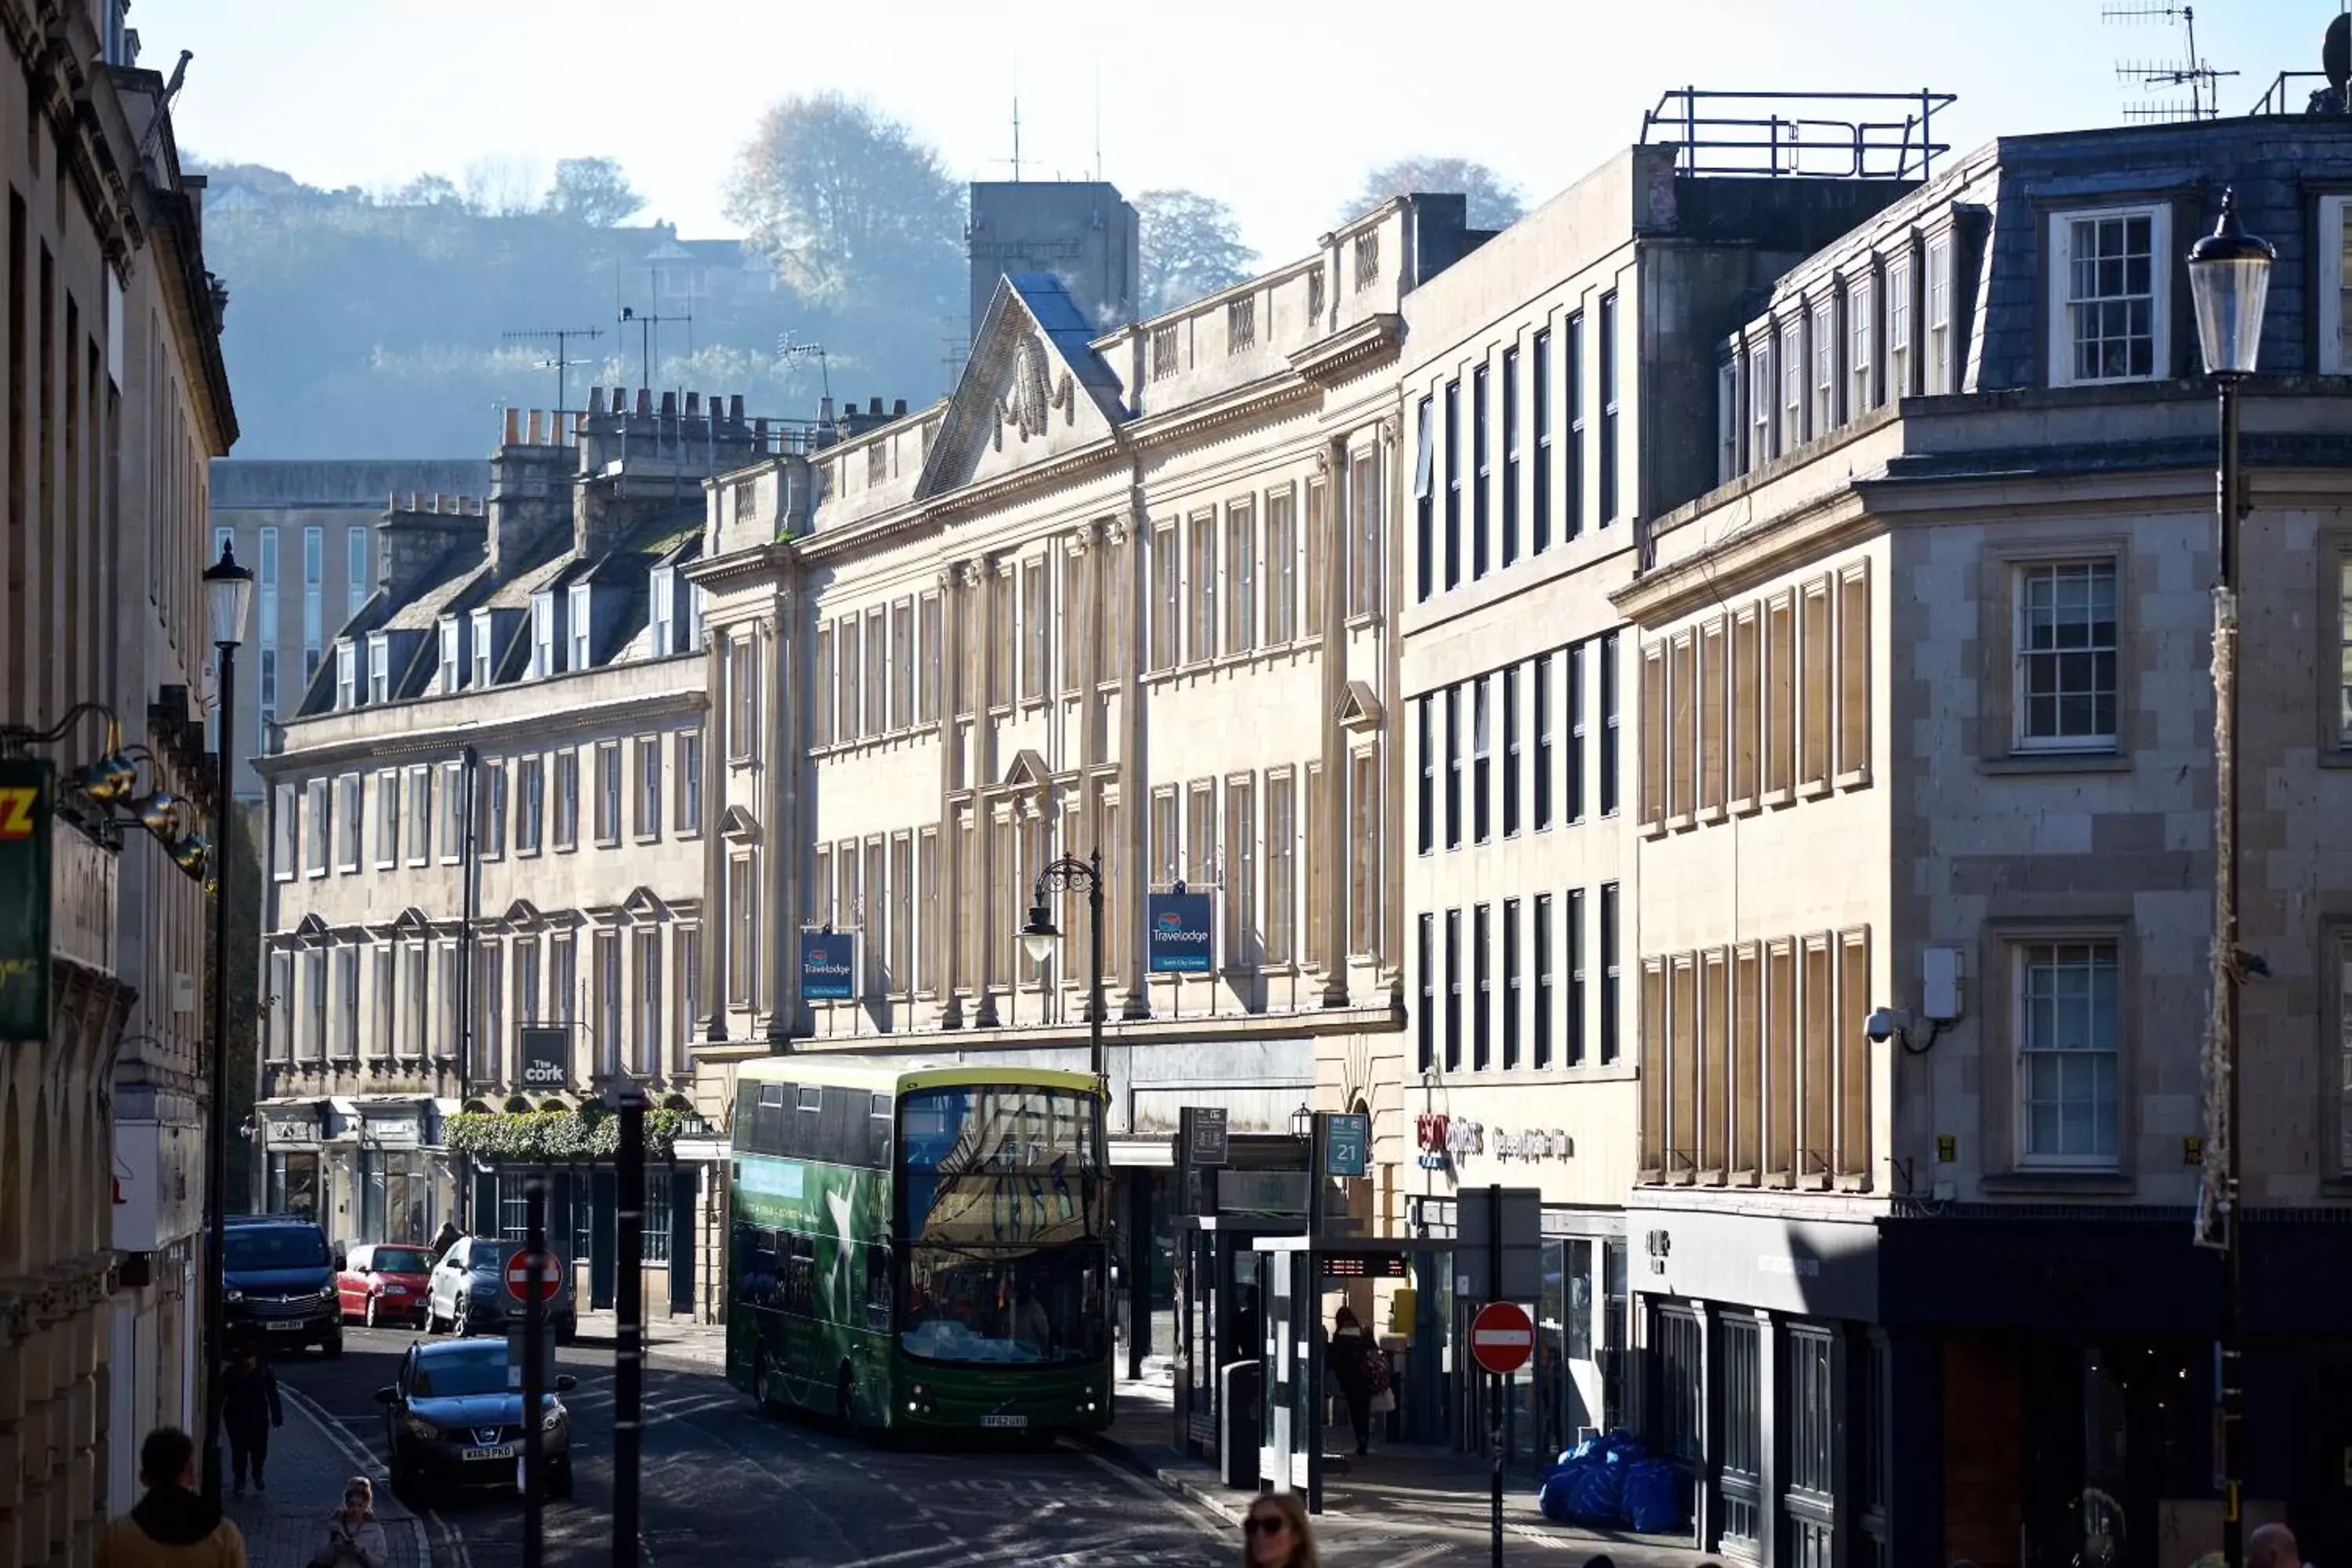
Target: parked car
278, 1280
384, 1282
468, 1293
450, 1421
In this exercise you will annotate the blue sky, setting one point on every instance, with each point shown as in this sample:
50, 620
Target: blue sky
1277, 108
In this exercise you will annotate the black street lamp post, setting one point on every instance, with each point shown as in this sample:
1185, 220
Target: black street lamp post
1039, 936
2229, 274
229, 594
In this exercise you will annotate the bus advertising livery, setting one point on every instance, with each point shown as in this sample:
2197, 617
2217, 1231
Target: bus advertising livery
922, 1249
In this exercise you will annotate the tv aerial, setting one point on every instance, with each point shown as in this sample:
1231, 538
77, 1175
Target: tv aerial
561, 338
2194, 72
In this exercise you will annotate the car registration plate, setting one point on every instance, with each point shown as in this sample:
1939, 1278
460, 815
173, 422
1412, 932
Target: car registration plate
503, 1451
291, 1327
1015, 1422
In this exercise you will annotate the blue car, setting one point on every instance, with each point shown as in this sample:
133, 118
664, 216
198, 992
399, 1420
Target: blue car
451, 1422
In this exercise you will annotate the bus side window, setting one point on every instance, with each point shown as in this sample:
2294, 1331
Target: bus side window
877, 1287
800, 1276
878, 1133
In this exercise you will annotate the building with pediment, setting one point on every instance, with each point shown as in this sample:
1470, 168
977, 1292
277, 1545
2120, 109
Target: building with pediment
1125, 593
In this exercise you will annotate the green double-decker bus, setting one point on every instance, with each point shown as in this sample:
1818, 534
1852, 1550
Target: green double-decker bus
920, 1249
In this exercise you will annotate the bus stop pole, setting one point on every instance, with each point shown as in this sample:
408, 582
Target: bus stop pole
1494, 1383
628, 1355
534, 1376
1310, 1302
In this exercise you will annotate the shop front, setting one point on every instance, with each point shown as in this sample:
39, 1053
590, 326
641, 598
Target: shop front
1560, 1144
386, 1151
292, 1133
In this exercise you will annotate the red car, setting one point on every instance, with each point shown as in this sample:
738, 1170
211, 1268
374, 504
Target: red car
385, 1283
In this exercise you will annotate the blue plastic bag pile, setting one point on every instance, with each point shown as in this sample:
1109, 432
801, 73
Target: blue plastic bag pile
1613, 1481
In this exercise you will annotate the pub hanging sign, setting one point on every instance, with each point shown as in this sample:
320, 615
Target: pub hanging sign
27, 813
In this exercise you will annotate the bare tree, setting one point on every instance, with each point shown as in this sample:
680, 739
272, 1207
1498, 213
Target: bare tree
840, 194
502, 186
1192, 248
1495, 201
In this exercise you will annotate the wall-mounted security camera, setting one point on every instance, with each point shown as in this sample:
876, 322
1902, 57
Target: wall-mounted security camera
1886, 1023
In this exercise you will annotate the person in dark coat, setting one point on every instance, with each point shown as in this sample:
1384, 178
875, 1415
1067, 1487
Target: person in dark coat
444, 1241
1348, 1357
249, 1408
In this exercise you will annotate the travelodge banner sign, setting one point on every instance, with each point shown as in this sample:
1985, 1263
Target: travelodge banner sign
828, 966
1183, 940
28, 800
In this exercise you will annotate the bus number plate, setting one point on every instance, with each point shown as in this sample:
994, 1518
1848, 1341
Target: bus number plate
1012, 1421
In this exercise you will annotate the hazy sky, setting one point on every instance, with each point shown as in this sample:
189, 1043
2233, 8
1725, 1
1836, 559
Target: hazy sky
1277, 108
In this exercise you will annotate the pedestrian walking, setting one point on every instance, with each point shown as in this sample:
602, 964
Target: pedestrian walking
1349, 1358
1275, 1534
249, 1408
172, 1526
354, 1539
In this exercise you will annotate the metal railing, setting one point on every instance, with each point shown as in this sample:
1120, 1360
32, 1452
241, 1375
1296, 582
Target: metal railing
2279, 97
1822, 135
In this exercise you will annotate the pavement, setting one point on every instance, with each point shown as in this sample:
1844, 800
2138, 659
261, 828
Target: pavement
1407, 1494
678, 1342
310, 1459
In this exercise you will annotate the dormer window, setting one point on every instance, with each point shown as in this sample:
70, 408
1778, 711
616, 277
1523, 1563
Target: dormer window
481, 648
545, 647
346, 675
379, 668
579, 627
661, 594
452, 660
2110, 271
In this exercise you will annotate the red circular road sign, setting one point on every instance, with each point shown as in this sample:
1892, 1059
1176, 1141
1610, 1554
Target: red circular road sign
1502, 1337
549, 1273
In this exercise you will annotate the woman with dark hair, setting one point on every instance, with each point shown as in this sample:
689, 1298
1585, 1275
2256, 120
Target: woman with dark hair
1349, 1360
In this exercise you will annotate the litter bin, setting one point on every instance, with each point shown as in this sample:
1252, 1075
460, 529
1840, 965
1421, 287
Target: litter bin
1238, 1384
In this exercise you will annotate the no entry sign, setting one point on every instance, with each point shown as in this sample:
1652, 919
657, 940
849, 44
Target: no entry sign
1502, 1337
519, 1274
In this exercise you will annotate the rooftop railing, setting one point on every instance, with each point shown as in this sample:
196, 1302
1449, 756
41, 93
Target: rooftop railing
1808, 135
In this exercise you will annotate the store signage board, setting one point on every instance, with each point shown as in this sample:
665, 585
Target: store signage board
546, 1057
828, 966
1346, 1144
1182, 935
27, 813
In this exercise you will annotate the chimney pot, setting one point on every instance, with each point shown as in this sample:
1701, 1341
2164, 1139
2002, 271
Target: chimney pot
620, 401
874, 408
735, 408
694, 405
824, 410
537, 429
645, 402
514, 425
595, 400
668, 406
412, 501
898, 409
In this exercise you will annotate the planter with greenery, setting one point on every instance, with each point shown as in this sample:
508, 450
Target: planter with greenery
555, 1136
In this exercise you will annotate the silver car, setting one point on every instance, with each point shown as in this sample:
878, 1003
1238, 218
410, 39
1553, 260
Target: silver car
467, 1292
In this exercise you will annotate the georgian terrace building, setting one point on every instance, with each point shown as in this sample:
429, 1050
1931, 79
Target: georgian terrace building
1925, 717
487, 814
1547, 382
1130, 594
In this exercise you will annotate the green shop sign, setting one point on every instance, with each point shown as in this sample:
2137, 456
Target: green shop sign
28, 806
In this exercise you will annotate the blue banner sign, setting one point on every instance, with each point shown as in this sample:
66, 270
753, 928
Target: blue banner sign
828, 966
1183, 940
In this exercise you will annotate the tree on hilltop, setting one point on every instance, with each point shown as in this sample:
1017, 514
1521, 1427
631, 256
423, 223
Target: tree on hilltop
842, 197
1192, 248
593, 191
1495, 201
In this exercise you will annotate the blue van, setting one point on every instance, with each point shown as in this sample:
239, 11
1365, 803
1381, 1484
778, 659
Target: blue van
278, 1284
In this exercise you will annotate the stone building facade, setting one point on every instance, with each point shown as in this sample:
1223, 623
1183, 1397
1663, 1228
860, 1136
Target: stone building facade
306, 529
1128, 594
1925, 724
485, 817
1546, 383
115, 399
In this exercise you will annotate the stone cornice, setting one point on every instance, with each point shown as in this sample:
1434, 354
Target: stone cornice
1350, 350
441, 742
1828, 523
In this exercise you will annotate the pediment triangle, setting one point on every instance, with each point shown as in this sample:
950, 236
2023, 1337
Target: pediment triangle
1027, 772
737, 824
1031, 389
1360, 709
644, 904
